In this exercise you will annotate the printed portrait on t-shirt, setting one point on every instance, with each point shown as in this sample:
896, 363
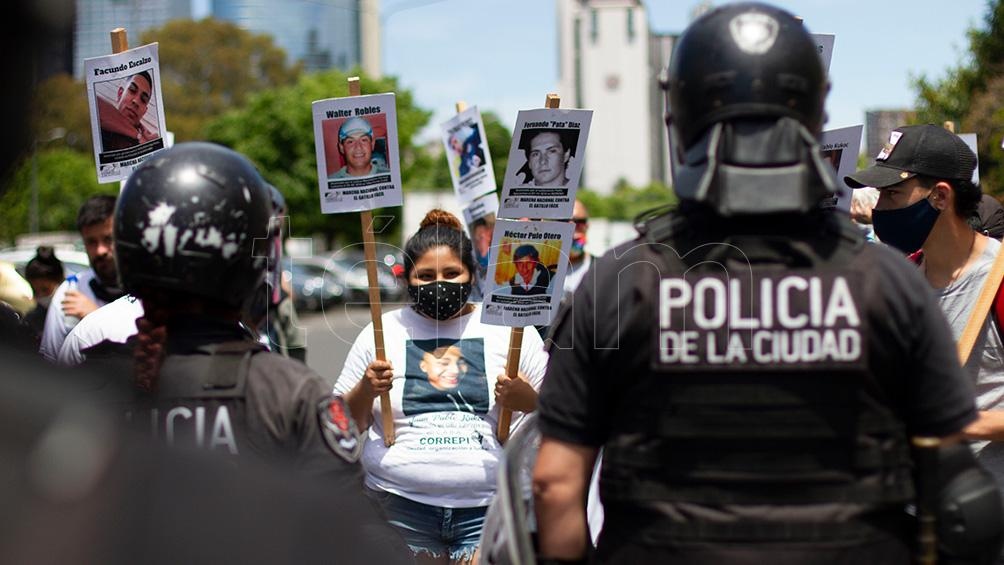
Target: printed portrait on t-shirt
445, 375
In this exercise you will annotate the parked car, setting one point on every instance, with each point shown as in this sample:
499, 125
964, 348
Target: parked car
314, 285
73, 261
353, 272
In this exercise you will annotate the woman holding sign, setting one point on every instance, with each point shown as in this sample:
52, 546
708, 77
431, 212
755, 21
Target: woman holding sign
445, 372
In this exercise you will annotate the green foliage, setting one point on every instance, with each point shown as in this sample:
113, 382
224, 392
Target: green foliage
499, 140
626, 202
969, 95
275, 130
59, 110
210, 66
65, 179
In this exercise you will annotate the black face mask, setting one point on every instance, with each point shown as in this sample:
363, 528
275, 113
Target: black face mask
907, 228
440, 300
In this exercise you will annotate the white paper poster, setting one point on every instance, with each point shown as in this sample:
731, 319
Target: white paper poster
468, 155
358, 165
526, 272
480, 220
824, 44
127, 111
545, 163
840, 148
970, 140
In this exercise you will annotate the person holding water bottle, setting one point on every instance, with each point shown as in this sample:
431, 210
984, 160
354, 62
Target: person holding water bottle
88, 290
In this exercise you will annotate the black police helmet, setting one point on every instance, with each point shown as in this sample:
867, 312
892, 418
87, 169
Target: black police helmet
187, 220
747, 60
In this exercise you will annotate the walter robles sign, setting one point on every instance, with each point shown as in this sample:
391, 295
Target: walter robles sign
773, 321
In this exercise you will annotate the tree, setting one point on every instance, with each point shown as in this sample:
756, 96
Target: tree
969, 95
275, 130
208, 67
59, 110
627, 202
65, 179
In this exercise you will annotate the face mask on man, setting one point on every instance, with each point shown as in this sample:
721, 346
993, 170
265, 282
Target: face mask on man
907, 228
439, 300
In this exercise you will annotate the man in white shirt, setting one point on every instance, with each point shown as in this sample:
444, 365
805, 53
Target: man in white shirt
95, 287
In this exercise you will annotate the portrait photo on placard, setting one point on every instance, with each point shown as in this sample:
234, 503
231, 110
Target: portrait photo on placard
545, 163
127, 112
357, 153
527, 266
839, 149
479, 217
468, 156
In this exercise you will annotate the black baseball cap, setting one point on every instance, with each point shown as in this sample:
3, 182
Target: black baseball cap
927, 150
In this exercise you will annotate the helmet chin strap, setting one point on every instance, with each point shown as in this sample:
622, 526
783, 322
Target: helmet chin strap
748, 167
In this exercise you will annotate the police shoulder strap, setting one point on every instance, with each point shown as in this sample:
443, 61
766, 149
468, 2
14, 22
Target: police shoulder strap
984, 302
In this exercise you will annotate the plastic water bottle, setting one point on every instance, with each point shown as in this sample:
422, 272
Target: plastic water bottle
71, 284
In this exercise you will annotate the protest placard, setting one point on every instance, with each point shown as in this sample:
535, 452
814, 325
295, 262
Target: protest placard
468, 155
824, 44
358, 164
526, 272
970, 140
840, 148
126, 107
545, 163
479, 217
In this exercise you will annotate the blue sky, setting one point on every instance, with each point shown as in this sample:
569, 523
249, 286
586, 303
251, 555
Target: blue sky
502, 54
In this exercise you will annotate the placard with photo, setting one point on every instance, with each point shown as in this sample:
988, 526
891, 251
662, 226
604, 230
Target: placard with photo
545, 163
358, 164
468, 155
840, 148
526, 272
480, 220
127, 111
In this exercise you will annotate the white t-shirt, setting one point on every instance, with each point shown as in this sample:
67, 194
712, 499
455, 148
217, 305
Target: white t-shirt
115, 321
445, 451
56, 325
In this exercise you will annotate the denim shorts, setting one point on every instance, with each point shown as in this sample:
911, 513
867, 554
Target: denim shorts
433, 530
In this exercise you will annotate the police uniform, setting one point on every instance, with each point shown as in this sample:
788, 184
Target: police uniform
220, 390
756, 369
709, 410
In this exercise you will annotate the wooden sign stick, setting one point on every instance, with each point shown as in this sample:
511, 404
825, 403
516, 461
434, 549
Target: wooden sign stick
552, 101
369, 248
120, 41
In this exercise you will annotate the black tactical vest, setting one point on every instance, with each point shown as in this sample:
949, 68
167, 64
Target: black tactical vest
757, 390
200, 400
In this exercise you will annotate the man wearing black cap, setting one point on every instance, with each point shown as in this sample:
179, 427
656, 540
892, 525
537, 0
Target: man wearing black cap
925, 203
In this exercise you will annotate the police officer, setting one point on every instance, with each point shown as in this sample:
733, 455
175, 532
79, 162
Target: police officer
194, 233
751, 368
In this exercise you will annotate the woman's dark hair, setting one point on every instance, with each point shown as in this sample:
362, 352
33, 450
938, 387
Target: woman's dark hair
159, 308
151, 340
439, 228
44, 265
967, 194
